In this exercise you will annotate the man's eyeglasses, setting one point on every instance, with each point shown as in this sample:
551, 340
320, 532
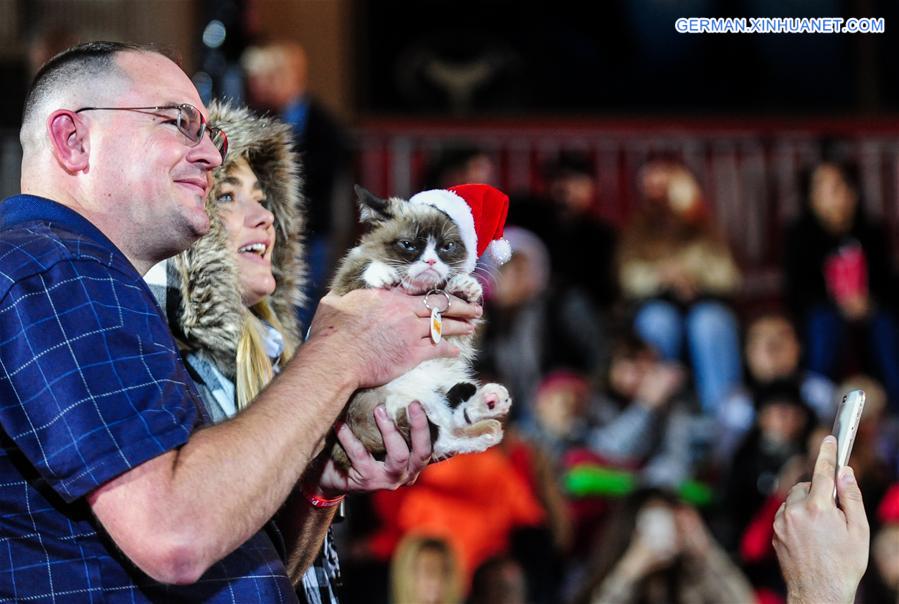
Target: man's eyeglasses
190, 122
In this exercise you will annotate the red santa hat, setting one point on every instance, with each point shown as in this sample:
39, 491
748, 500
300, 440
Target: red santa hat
480, 213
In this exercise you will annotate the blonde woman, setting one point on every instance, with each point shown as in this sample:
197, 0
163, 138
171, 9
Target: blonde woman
231, 301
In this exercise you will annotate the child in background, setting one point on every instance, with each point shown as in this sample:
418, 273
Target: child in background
783, 423
637, 420
772, 352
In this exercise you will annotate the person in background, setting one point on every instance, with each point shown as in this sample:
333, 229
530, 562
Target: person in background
839, 281
783, 423
499, 580
640, 419
531, 328
277, 74
678, 272
658, 550
582, 244
881, 582
459, 162
424, 570
772, 353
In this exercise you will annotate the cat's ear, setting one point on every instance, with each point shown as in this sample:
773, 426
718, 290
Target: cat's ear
371, 207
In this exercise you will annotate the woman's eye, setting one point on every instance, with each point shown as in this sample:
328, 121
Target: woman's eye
225, 198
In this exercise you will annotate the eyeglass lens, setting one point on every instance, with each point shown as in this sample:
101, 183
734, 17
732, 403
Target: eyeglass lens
192, 124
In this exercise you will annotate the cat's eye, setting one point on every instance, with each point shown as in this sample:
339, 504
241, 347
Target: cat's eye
407, 245
449, 246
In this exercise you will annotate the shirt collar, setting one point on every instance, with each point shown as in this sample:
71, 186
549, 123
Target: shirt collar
19, 209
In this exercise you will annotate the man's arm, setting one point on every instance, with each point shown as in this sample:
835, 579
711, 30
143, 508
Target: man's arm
180, 512
823, 548
304, 526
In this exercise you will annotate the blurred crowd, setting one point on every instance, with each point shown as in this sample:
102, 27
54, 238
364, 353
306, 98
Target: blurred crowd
658, 420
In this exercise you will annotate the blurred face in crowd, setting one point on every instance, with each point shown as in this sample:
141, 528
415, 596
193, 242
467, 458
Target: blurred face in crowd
504, 584
833, 200
558, 407
574, 192
627, 373
431, 580
772, 349
782, 421
885, 551
653, 181
250, 228
478, 169
276, 75
516, 283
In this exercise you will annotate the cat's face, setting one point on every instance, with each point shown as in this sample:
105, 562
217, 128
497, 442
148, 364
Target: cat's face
419, 242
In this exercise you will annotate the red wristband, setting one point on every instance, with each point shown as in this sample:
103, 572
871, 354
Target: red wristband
321, 502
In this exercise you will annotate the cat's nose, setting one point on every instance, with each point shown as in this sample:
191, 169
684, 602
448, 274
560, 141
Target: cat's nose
431, 261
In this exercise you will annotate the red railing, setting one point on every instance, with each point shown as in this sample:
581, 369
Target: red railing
750, 169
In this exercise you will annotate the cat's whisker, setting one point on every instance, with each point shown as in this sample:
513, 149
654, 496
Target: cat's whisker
490, 274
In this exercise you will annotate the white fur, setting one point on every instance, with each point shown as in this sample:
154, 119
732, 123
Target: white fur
456, 425
379, 274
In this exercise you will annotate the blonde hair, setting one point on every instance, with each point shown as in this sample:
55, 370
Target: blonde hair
403, 572
254, 367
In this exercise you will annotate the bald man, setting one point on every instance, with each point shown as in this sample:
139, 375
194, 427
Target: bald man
109, 488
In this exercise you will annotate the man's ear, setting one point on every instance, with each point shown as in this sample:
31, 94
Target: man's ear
371, 207
69, 140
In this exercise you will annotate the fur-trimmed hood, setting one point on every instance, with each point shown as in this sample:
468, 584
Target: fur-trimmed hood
208, 314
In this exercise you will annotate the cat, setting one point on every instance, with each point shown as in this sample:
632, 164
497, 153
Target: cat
419, 248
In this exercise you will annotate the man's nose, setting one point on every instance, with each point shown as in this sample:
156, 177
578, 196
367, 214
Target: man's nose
205, 152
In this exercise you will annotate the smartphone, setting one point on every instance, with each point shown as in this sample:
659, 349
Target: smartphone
846, 425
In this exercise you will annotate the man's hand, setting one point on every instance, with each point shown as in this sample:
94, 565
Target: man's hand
822, 548
381, 334
400, 466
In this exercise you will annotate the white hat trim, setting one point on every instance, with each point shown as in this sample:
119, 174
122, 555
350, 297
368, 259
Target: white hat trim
459, 212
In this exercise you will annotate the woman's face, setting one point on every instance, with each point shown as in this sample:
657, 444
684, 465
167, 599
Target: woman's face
885, 552
832, 199
430, 573
772, 349
250, 229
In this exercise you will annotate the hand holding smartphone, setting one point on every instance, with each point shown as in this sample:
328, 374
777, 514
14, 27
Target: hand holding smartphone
846, 425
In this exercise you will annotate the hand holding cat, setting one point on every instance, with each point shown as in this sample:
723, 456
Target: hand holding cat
379, 334
401, 465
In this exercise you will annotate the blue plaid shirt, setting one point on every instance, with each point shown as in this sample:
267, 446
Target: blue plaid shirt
91, 385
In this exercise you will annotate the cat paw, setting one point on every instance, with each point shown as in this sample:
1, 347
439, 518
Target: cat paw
466, 287
380, 275
492, 401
